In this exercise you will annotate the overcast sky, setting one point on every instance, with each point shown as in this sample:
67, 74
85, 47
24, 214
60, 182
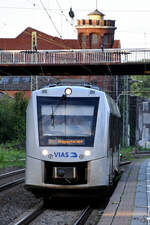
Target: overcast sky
132, 18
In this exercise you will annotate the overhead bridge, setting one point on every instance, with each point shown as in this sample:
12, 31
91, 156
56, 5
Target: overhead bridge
75, 62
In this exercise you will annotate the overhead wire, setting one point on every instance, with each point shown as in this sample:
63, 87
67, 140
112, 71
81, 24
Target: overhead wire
53, 41
62, 45
79, 10
62, 12
50, 18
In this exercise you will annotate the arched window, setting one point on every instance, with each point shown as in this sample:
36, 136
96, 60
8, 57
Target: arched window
94, 40
84, 40
106, 41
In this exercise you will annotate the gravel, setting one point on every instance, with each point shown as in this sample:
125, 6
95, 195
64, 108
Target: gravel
14, 202
57, 217
9, 169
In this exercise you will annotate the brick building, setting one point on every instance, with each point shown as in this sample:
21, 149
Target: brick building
93, 33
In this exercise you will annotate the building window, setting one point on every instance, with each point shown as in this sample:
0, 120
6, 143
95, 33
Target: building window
97, 22
146, 132
94, 40
83, 21
84, 39
16, 80
4, 80
26, 79
90, 22
106, 41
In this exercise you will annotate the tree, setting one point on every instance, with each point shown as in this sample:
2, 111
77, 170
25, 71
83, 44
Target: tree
12, 118
6, 125
140, 86
19, 118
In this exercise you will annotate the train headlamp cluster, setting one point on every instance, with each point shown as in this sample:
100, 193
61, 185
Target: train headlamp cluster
87, 152
44, 152
68, 91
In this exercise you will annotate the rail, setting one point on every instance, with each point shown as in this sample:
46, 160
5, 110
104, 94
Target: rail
11, 184
74, 57
31, 215
84, 216
12, 173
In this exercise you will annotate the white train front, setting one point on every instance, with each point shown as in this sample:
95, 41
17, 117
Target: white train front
72, 140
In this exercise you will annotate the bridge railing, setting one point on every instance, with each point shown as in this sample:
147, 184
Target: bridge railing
88, 56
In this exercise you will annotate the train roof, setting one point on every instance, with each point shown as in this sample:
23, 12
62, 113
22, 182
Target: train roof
113, 106
78, 83
75, 83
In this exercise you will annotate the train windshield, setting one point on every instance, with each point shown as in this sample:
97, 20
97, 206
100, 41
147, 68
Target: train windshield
67, 121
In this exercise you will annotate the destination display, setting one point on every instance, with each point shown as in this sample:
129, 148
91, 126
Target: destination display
66, 142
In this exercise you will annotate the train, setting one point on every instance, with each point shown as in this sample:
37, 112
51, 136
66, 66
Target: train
72, 140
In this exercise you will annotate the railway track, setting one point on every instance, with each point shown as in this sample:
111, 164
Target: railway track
9, 184
31, 215
35, 214
12, 173
84, 216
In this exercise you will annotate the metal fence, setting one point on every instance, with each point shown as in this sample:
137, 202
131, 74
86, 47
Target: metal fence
88, 56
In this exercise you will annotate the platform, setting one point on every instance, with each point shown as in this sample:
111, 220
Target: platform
130, 202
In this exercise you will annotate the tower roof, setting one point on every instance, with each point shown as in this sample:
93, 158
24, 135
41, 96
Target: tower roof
96, 12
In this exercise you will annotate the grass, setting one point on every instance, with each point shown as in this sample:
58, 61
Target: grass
9, 156
140, 149
126, 153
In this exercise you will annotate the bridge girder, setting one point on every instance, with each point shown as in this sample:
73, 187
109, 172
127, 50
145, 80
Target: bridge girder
79, 69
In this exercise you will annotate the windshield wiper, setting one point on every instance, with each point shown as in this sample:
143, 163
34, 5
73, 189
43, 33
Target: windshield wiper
52, 116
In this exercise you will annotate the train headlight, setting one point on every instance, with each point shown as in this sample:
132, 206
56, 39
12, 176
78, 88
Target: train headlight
87, 153
44, 152
68, 91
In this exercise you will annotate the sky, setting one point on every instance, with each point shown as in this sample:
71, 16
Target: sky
52, 17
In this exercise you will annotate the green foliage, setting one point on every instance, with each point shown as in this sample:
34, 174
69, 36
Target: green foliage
6, 105
11, 157
142, 86
12, 118
140, 149
127, 153
19, 109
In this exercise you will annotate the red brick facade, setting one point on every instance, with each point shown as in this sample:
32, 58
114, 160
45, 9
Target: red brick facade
96, 32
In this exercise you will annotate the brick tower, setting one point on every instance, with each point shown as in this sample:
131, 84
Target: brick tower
95, 32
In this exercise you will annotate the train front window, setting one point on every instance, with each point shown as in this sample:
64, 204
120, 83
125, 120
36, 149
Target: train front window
69, 121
